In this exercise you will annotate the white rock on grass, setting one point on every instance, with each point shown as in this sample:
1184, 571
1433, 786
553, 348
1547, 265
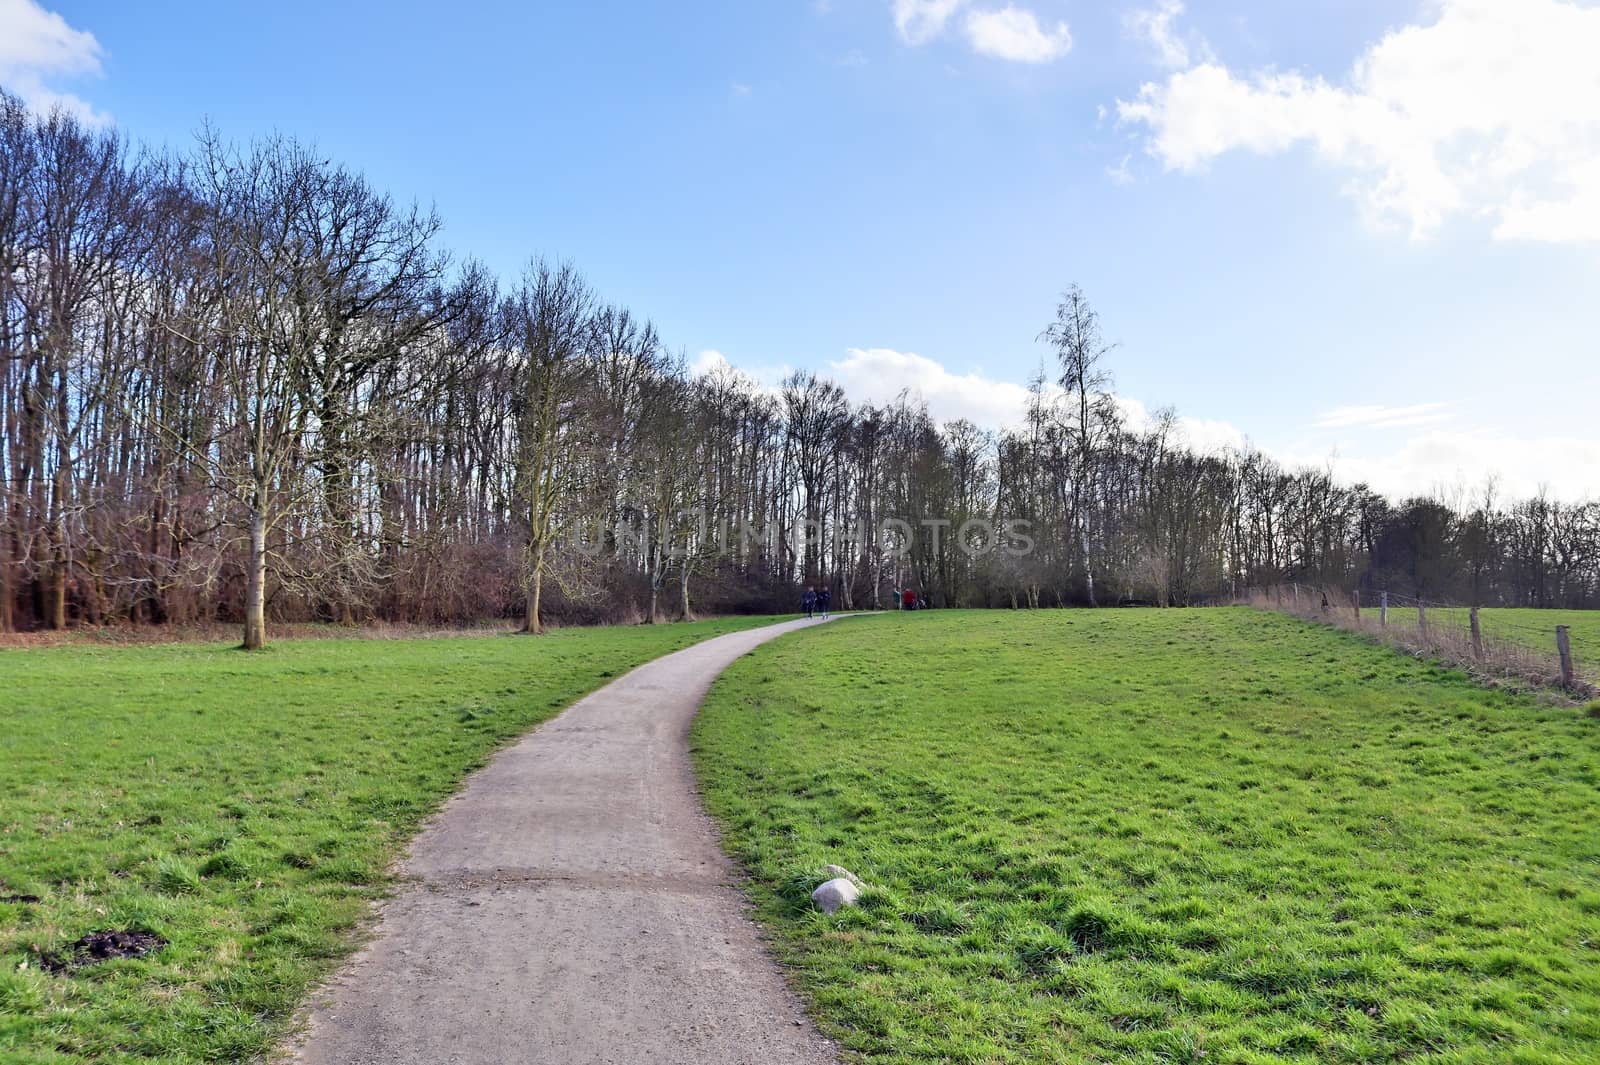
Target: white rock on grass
834, 894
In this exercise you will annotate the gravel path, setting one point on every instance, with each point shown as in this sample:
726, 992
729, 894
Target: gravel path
572, 906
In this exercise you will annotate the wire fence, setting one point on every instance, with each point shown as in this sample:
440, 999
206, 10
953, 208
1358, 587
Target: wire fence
1500, 645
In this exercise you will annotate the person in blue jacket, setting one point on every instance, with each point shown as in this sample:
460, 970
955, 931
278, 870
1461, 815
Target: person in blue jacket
808, 602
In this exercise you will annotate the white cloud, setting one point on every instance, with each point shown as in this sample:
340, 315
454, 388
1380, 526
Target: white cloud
920, 21
879, 375
1416, 450
1490, 111
1378, 416
1009, 32
1207, 436
1014, 34
1455, 462
36, 48
1397, 450
709, 362
765, 379
1210, 436
1156, 27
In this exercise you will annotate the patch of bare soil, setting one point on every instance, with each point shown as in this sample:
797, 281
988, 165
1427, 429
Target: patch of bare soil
97, 947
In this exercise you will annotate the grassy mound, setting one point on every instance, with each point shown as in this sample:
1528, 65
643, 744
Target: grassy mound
1164, 836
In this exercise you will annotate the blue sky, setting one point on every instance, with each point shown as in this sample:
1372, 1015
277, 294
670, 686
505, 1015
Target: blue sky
1353, 231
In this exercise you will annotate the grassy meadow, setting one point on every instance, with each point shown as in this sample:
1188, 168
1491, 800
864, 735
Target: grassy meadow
244, 807
1220, 836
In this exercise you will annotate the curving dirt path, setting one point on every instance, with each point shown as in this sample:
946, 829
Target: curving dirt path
572, 906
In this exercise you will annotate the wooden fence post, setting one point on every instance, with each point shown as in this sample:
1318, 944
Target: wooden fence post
1355, 598
1564, 648
1422, 617
1477, 635
1296, 587
1383, 609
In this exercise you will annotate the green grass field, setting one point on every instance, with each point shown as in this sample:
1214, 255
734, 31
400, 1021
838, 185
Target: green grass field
243, 807
1163, 836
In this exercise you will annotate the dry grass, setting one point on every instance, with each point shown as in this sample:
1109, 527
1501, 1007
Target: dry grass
1506, 654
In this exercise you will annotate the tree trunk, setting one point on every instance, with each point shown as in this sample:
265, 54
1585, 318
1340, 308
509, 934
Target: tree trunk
658, 561
58, 589
1088, 566
683, 592
7, 621
59, 565
255, 599
58, 595
532, 625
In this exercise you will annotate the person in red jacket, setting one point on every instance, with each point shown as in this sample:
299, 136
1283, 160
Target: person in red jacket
908, 599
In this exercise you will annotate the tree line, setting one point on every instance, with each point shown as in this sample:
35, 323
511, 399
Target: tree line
241, 384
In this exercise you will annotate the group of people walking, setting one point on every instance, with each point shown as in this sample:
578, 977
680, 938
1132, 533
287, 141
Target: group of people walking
816, 601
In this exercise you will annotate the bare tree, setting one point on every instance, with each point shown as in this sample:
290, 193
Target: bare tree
814, 411
551, 325
241, 383
18, 238
264, 208
1081, 355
